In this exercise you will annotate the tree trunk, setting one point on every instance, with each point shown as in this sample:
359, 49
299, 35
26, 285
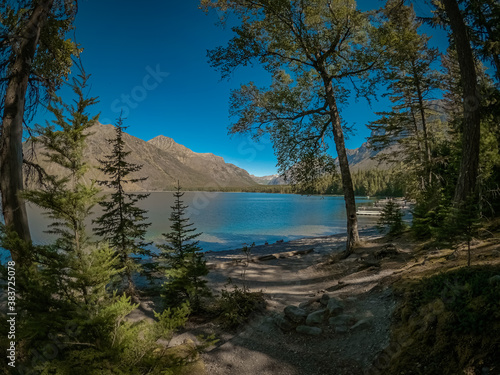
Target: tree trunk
423, 181
11, 153
466, 184
421, 106
345, 173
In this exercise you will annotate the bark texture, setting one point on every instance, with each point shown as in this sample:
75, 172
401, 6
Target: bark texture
11, 152
469, 165
345, 173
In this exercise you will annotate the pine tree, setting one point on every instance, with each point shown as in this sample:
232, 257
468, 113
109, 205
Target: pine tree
391, 219
471, 129
69, 320
411, 83
67, 199
123, 224
462, 224
185, 264
68, 281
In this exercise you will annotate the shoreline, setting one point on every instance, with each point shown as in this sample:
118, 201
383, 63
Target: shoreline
322, 245
290, 274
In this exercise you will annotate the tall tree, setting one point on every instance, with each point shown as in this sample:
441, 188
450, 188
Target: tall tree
469, 165
489, 157
412, 81
484, 22
482, 19
67, 197
123, 224
314, 50
70, 277
32, 33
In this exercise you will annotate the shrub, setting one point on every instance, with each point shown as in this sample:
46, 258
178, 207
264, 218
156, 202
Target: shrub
447, 323
391, 220
237, 305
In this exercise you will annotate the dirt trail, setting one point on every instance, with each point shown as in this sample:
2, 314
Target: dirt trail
263, 348
295, 275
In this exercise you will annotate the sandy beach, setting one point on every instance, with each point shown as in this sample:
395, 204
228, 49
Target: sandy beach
285, 272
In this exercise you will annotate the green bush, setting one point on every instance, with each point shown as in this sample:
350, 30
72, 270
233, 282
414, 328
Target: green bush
235, 306
429, 215
129, 348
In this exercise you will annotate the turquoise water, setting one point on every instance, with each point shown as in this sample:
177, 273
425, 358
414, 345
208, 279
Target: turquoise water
228, 220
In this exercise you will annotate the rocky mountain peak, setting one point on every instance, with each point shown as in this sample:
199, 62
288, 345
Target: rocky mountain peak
168, 144
164, 162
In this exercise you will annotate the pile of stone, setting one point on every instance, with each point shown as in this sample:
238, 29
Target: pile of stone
309, 317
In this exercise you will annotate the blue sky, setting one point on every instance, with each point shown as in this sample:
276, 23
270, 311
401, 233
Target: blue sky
149, 59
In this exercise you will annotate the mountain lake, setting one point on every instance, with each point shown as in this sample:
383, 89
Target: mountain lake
230, 220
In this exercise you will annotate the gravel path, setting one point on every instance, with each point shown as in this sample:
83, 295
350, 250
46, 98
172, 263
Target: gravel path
294, 277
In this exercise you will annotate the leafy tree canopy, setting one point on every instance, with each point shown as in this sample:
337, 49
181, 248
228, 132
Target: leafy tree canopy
52, 63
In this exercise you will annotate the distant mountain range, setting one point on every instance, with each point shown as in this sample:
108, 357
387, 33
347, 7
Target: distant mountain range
360, 159
164, 163
274, 179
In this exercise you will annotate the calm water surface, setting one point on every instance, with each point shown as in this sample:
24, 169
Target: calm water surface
228, 220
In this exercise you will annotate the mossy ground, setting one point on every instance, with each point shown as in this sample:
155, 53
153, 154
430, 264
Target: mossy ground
448, 323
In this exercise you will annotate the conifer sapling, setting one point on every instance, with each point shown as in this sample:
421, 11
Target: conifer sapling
185, 264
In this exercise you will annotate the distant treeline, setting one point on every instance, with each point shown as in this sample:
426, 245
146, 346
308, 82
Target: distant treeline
278, 189
374, 182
